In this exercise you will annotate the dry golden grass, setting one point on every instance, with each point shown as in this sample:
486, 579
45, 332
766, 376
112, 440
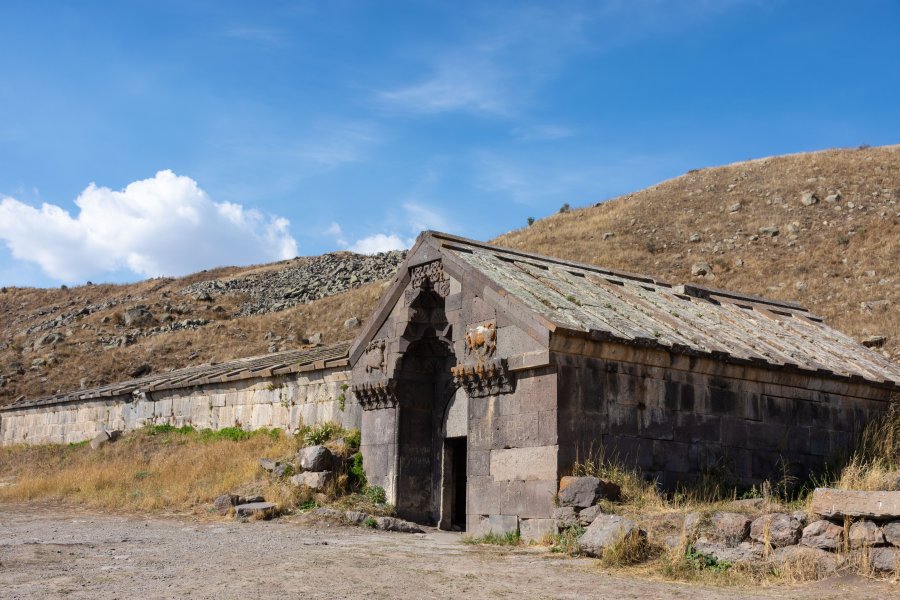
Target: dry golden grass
838, 258
165, 472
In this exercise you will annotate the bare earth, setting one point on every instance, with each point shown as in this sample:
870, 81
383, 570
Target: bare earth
52, 551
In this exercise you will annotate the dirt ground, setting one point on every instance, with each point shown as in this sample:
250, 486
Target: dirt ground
51, 551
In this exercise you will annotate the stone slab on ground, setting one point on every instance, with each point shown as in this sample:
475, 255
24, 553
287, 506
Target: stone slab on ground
266, 509
225, 502
743, 552
356, 517
605, 531
537, 529
395, 524
835, 504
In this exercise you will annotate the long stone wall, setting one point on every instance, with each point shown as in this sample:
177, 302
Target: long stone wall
676, 416
285, 402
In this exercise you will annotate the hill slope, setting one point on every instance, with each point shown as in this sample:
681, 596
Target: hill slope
836, 250
822, 229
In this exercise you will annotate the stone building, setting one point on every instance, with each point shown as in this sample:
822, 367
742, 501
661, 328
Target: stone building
485, 373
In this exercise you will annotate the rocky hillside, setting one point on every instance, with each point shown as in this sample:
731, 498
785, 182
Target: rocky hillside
61, 339
822, 229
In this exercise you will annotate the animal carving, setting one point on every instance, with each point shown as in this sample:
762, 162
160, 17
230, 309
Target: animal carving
481, 340
375, 359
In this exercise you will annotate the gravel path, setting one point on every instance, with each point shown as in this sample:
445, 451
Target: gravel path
52, 552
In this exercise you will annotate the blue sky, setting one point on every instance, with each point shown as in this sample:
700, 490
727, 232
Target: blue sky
157, 138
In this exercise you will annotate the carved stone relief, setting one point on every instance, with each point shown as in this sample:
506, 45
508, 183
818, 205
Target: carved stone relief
481, 341
429, 276
375, 357
484, 379
380, 394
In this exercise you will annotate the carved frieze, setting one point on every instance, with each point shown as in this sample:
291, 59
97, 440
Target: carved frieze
429, 276
379, 394
489, 378
375, 358
481, 341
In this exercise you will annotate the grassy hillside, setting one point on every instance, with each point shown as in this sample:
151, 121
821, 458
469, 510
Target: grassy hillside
837, 251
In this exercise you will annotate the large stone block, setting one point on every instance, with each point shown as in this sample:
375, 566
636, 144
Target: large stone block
605, 531
776, 529
537, 529
831, 503
534, 463
823, 534
582, 492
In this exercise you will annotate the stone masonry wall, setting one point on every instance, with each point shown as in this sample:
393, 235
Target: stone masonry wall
676, 416
283, 402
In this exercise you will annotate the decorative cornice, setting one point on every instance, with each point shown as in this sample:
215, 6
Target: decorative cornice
486, 379
375, 395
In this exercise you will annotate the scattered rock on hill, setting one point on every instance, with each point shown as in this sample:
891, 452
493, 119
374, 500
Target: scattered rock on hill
808, 198
699, 269
137, 316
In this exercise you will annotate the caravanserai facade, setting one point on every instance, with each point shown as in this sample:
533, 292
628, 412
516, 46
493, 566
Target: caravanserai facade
485, 373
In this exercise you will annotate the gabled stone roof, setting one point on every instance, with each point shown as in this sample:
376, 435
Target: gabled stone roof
602, 304
281, 363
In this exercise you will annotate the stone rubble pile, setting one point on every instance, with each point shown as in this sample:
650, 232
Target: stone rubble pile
843, 525
302, 281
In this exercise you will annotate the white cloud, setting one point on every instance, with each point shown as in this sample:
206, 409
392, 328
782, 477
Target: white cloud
421, 217
379, 242
165, 225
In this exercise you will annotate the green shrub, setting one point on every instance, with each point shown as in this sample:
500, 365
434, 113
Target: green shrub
353, 437
319, 434
376, 494
496, 539
370, 522
356, 473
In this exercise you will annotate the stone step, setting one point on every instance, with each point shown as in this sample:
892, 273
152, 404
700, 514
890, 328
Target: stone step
835, 504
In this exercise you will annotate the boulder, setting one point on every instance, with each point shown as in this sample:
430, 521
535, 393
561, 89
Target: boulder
225, 502
356, 517
315, 458
770, 231
731, 528
835, 504
823, 561
135, 317
265, 510
691, 524
891, 532
565, 516
605, 531
328, 513
699, 269
823, 534
269, 464
351, 323
395, 524
885, 560
808, 198
251, 499
103, 438
315, 339
745, 551
584, 492
314, 480
865, 533
587, 516
776, 529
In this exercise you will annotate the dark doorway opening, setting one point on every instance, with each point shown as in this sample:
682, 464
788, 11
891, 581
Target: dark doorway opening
458, 462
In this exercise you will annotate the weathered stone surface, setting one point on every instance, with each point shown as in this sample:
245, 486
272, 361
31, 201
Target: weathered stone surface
225, 502
583, 492
605, 531
566, 516
351, 323
892, 532
526, 464
691, 525
101, 439
395, 524
264, 509
824, 562
587, 516
356, 517
498, 524
731, 528
808, 198
747, 504
745, 551
834, 504
328, 513
865, 533
251, 499
822, 534
537, 529
314, 480
885, 560
134, 317
315, 458
269, 464
700, 268
776, 529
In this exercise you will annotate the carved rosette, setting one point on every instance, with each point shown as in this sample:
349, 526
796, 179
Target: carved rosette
429, 276
379, 394
484, 379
